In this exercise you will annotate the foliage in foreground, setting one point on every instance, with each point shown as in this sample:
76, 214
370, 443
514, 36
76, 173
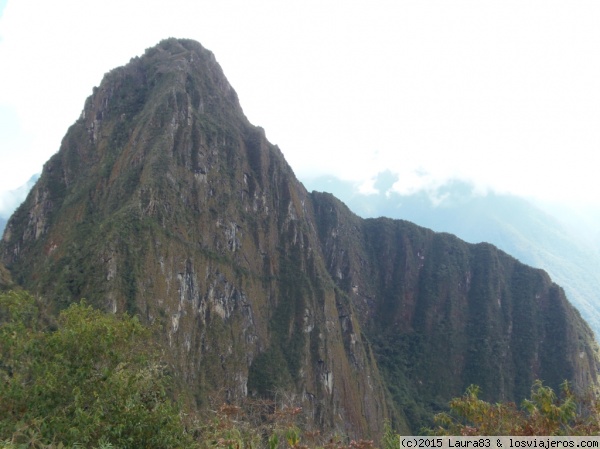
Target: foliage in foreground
262, 424
545, 413
89, 378
93, 380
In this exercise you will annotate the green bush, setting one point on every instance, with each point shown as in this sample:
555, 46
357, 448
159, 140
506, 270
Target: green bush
88, 378
545, 413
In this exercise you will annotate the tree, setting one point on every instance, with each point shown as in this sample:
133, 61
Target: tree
544, 413
89, 377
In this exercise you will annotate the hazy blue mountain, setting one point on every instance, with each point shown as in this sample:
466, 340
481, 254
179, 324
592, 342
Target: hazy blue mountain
10, 200
558, 240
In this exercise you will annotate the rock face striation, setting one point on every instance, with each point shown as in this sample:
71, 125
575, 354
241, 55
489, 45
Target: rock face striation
5, 278
165, 202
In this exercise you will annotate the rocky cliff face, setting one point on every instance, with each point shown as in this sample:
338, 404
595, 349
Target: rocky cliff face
5, 278
166, 202
443, 314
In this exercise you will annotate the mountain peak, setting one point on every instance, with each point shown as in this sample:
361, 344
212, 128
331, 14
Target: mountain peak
165, 202
171, 68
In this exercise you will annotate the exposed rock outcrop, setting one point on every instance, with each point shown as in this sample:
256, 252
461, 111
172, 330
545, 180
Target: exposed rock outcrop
5, 278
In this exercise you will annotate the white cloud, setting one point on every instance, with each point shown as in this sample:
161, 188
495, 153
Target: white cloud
503, 93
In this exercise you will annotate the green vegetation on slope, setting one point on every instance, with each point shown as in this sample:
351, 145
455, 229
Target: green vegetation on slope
442, 314
91, 379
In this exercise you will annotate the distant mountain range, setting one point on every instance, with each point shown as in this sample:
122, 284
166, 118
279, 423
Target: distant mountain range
561, 242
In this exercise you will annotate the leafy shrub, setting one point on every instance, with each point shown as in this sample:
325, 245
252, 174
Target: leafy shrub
544, 413
89, 378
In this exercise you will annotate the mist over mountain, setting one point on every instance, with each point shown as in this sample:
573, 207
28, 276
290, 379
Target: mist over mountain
10, 200
559, 239
166, 203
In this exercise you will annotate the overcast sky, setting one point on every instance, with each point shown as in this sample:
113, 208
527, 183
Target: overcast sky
503, 93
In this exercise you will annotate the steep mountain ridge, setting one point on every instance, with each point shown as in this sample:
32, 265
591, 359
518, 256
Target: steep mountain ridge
516, 225
442, 313
164, 201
